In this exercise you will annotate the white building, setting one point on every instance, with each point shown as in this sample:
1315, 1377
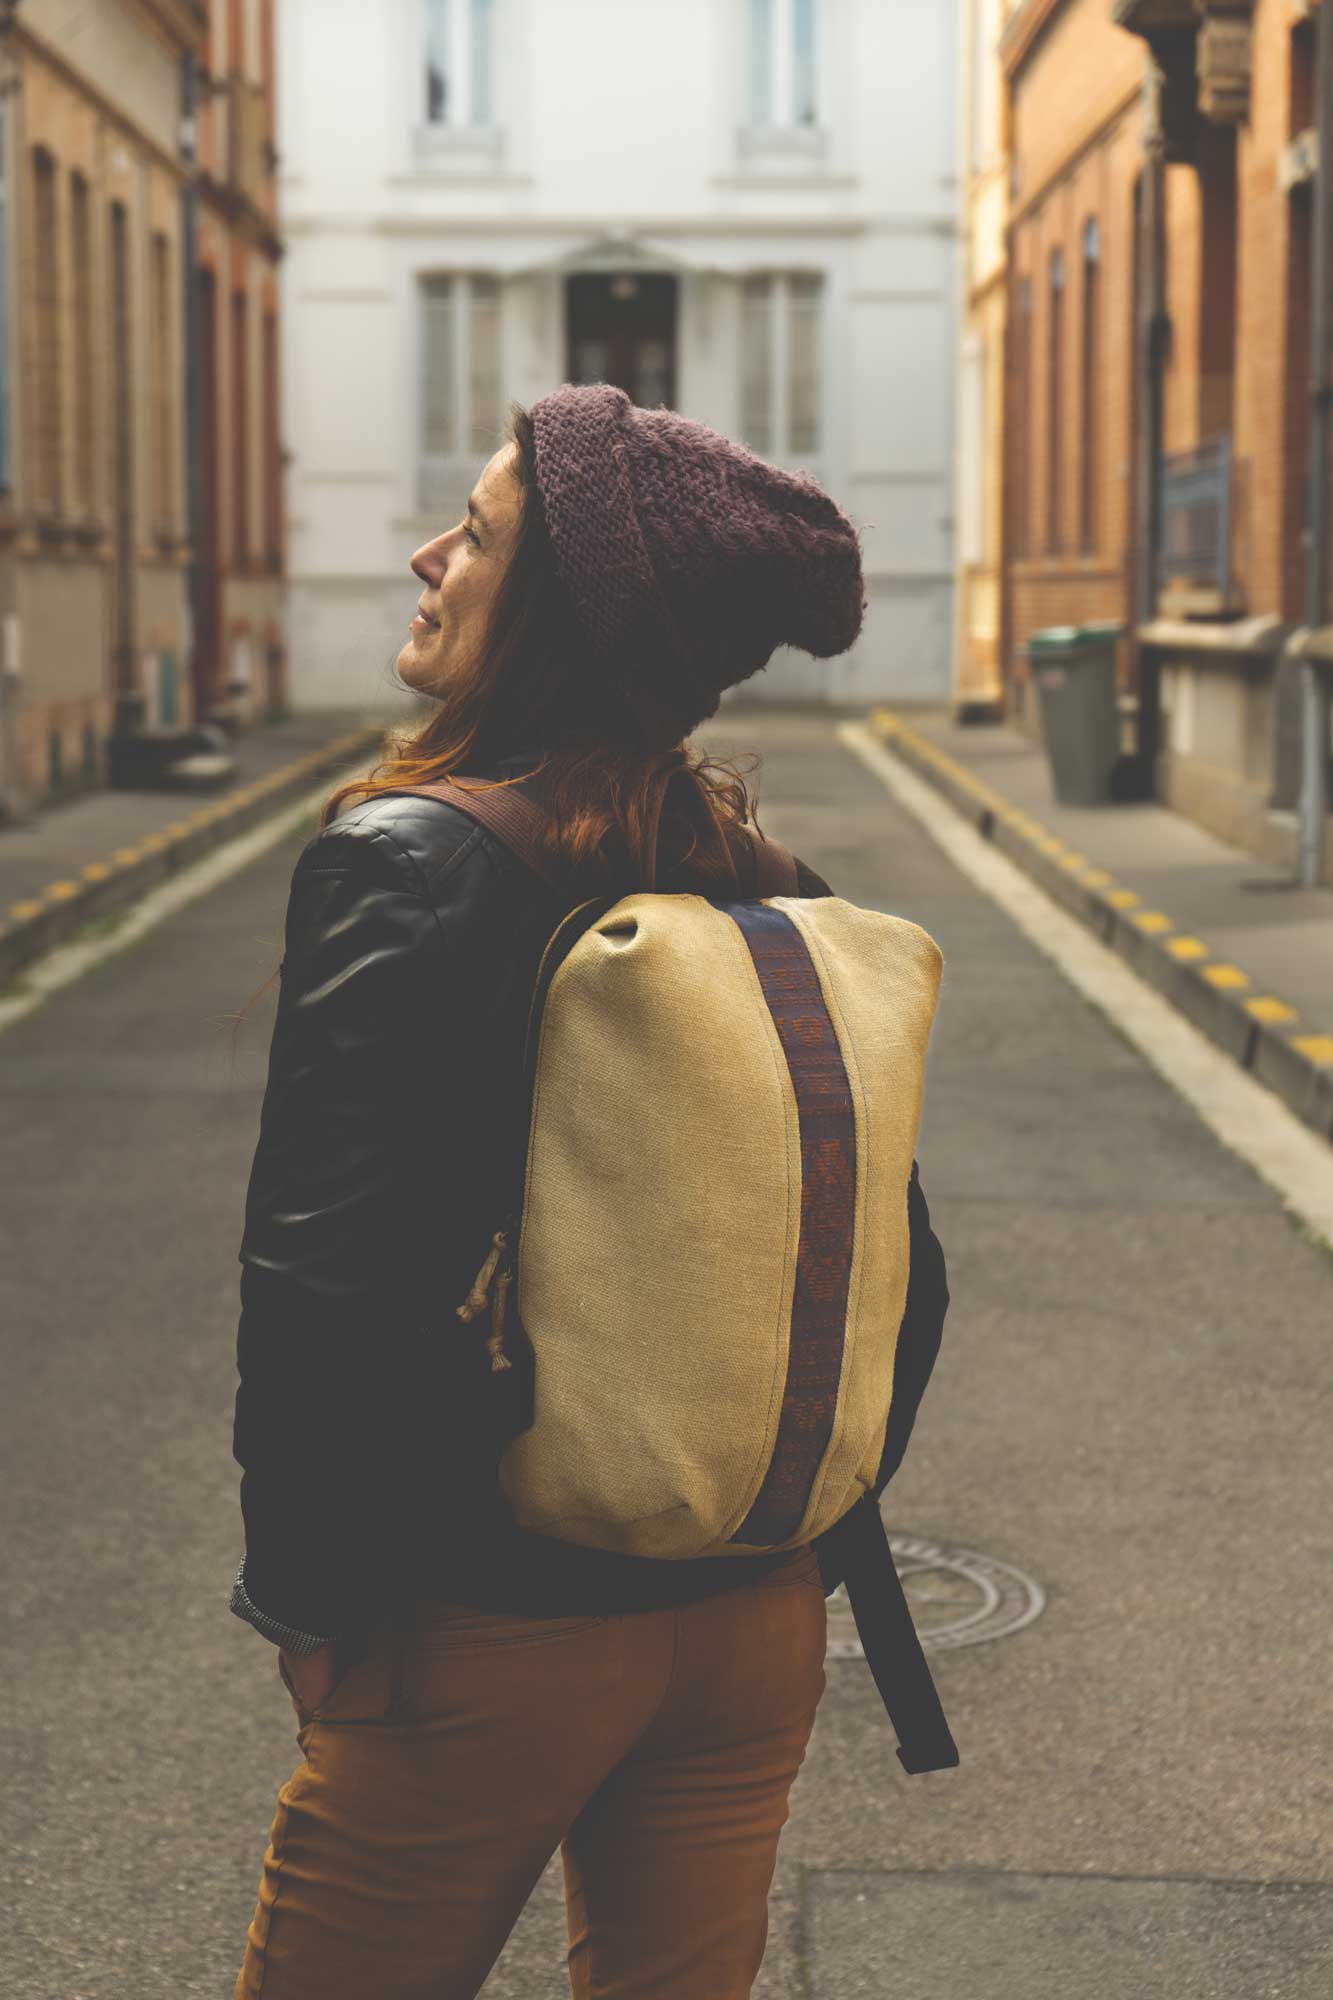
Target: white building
744, 208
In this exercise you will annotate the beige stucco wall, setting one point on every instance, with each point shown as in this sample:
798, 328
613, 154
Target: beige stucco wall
99, 94
116, 49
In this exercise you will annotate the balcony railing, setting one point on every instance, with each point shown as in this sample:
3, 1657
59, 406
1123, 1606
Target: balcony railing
1198, 492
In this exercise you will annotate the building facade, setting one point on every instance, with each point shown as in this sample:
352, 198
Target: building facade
1158, 408
742, 208
140, 481
94, 549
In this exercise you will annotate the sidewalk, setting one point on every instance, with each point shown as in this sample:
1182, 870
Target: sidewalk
1227, 938
70, 864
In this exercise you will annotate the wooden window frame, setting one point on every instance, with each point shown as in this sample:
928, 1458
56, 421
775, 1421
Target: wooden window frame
1090, 432
1056, 331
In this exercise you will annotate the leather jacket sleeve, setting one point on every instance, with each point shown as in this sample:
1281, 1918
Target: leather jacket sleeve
332, 1238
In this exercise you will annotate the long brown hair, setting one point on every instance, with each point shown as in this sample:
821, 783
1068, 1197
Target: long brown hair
626, 801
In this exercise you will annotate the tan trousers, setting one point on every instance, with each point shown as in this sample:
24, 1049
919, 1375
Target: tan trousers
657, 1749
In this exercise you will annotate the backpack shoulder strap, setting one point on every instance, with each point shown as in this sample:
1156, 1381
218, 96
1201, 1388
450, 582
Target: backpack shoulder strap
513, 818
518, 822
775, 867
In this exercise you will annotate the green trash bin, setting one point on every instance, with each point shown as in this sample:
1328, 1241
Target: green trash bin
1074, 670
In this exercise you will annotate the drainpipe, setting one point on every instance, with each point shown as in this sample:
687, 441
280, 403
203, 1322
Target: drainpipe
189, 92
1314, 684
1153, 330
13, 803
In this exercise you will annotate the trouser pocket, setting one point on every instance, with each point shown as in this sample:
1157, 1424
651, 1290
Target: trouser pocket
351, 1655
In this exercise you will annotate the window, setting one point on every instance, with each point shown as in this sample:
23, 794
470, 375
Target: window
1055, 384
240, 429
82, 382
164, 357
48, 435
1019, 497
4, 308
272, 445
1091, 365
780, 363
460, 56
784, 63
972, 455
460, 376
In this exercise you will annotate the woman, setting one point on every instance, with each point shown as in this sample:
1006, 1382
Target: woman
469, 1695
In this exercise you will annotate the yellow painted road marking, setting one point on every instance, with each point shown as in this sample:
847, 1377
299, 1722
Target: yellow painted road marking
1318, 1048
61, 892
21, 912
1269, 1009
96, 871
127, 856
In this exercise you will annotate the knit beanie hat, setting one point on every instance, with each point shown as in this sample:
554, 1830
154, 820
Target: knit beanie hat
687, 558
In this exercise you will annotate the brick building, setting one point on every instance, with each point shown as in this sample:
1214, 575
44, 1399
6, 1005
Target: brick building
1160, 253
138, 560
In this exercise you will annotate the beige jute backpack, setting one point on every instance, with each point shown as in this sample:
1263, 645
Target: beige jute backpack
702, 1277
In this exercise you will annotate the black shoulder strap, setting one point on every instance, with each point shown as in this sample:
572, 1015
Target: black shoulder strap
888, 1636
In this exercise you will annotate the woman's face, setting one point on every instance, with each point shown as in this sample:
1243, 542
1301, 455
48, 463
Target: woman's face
462, 570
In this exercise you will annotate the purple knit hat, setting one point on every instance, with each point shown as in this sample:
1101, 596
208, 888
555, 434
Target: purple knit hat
687, 558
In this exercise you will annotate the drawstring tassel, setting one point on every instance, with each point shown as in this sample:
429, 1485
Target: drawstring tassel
487, 1286
496, 1338
475, 1302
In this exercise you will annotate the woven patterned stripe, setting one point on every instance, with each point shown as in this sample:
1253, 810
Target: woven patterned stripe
828, 1194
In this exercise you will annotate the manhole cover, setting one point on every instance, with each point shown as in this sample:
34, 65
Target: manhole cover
956, 1597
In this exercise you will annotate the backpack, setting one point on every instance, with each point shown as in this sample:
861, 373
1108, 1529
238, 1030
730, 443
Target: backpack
692, 1304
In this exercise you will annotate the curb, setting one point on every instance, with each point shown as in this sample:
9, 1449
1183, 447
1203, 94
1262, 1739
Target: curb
119, 879
1259, 1031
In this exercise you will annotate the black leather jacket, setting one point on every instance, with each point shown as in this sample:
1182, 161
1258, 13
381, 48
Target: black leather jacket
412, 942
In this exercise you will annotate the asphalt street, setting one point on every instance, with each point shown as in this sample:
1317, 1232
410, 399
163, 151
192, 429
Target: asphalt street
1131, 1408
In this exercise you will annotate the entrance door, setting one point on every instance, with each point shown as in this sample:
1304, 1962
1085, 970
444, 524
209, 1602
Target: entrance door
622, 330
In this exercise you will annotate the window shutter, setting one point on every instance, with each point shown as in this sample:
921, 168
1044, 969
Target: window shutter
484, 364
757, 362
761, 63
805, 81
483, 62
439, 427
440, 84
803, 303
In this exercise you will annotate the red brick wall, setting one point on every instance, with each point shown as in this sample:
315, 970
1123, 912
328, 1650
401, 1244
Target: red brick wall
1270, 393
1076, 136
1237, 283
1071, 87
